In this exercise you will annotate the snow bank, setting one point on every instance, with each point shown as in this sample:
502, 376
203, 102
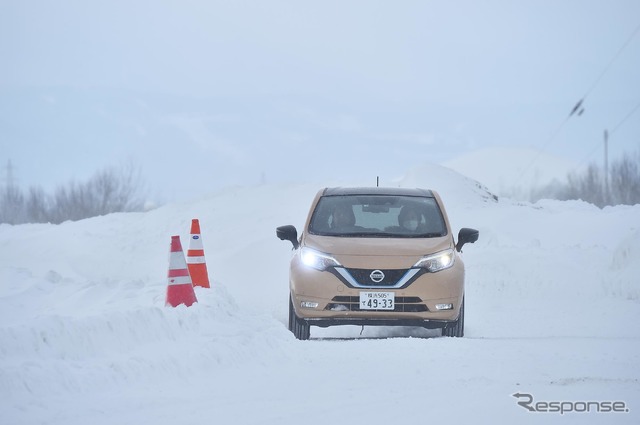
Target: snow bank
552, 296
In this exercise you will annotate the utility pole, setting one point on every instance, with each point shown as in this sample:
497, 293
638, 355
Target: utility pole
606, 166
8, 177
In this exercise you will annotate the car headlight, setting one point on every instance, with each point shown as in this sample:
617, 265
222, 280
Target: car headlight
317, 260
436, 262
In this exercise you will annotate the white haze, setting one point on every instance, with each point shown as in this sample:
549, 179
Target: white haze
204, 95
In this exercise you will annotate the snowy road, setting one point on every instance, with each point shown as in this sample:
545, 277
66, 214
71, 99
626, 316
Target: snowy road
553, 302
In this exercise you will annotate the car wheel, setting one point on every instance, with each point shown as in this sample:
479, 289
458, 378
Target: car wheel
456, 329
297, 326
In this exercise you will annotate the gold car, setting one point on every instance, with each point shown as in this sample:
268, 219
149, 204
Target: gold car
376, 256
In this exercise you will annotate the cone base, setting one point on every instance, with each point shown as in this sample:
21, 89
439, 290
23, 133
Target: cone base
199, 275
180, 294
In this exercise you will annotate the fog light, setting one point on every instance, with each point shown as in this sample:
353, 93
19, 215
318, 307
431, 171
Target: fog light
444, 306
308, 304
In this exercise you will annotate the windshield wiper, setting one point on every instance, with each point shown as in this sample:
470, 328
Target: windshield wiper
375, 234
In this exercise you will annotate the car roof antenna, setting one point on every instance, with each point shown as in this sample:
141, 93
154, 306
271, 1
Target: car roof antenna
377, 181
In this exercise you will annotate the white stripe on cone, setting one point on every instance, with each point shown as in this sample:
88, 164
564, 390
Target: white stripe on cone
176, 261
179, 280
195, 260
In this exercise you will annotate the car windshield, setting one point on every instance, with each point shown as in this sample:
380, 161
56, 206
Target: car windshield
377, 216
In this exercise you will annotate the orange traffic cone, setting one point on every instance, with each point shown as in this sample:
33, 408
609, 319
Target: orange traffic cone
195, 257
179, 287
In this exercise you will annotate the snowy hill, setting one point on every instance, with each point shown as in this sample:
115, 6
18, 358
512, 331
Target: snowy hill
512, 172
552, 291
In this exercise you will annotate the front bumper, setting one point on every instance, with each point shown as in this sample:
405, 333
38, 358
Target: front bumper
338, 321
323, 298
411, 309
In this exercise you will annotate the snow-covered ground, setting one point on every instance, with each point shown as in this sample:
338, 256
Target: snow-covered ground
553, 306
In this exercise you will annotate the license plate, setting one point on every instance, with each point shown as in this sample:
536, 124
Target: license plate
377, 300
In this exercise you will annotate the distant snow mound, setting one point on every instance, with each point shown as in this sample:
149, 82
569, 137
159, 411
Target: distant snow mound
512, 172
451, 185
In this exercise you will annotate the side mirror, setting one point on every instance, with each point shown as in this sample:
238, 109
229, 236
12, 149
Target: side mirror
288, 233
466, 235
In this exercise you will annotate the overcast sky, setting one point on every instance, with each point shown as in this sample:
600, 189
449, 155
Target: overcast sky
481, 73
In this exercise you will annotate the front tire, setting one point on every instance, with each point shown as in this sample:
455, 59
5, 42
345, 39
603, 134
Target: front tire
456, 329
297, 326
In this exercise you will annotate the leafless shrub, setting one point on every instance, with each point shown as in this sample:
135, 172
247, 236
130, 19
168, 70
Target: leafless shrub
625, 180
108, 191
623, 186
11, 205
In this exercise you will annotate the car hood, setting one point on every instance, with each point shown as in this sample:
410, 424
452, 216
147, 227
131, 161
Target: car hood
384, 252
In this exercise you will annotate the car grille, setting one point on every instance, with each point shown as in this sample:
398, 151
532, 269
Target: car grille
402, 304
363, 276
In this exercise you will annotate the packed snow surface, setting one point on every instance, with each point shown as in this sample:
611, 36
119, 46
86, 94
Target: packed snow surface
553, 306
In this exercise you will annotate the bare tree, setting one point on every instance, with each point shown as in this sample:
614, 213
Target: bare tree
624, 184
587, 186
37, 205
625, 180
11, 198
108, 191
69, 203
12, 205
115, 189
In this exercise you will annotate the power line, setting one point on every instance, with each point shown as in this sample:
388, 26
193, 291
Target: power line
597, 146
615, 57
625, 118
579, 109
